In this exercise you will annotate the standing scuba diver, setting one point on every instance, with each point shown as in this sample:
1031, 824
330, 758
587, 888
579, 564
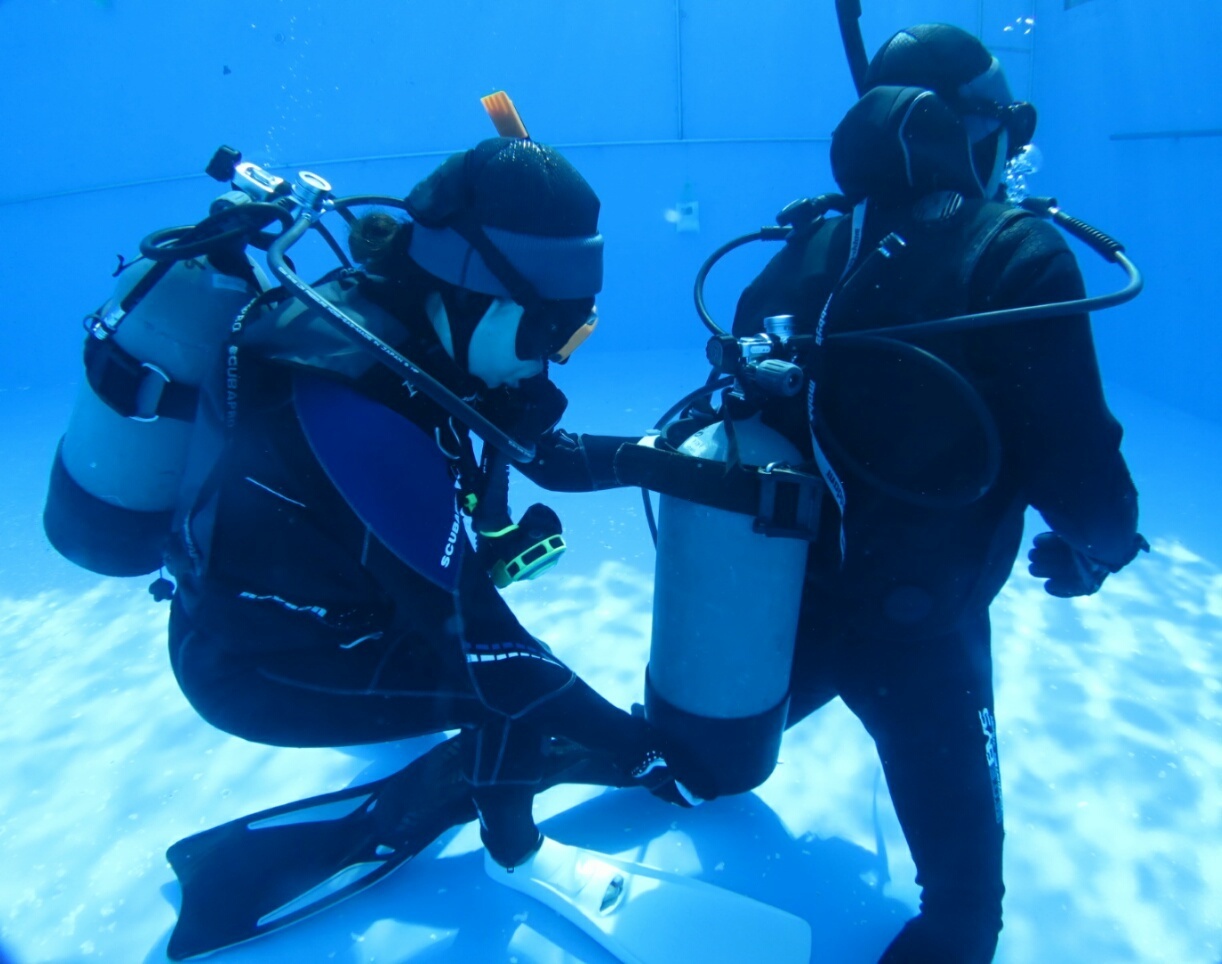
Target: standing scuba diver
935, 438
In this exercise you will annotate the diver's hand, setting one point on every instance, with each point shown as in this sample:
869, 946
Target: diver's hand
1067, 571
523, 550
655, 775
652, 772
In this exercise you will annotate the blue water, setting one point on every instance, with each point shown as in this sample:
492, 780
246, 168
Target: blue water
1109, 708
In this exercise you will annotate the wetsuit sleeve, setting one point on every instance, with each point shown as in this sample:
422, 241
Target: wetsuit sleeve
575, 463
1049, 397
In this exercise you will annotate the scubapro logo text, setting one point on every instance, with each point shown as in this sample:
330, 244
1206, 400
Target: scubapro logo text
452, 542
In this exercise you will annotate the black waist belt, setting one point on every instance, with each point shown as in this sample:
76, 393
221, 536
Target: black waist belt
781, 500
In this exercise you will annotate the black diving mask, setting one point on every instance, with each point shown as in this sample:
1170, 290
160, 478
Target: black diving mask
553, 330
1018, 118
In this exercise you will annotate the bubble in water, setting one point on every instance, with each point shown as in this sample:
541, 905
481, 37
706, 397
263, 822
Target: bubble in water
1020, 167
1030, 158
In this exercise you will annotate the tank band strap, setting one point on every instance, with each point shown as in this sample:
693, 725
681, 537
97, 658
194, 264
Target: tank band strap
135, 389
782, 501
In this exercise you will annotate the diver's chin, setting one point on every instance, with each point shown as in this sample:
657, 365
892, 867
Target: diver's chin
504, 375
492, 353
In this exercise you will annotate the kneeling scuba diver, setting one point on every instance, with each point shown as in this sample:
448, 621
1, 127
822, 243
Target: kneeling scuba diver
324, 467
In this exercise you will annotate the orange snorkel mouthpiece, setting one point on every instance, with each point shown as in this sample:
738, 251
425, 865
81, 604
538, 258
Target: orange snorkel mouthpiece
504, 115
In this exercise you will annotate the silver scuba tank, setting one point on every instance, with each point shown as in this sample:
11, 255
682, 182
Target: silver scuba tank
117, 470
725, 614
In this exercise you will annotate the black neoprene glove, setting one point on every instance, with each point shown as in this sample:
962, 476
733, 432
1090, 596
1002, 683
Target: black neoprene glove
657, 776
1067, 571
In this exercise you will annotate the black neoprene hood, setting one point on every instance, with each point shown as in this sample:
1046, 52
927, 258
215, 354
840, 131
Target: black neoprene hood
937, 56
523, 199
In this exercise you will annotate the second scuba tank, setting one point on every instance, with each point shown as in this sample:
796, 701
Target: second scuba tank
117, 469
725, 614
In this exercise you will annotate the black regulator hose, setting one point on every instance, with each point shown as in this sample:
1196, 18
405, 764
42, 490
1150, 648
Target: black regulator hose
898, 337
245, 222
236, 223
973, 403
381, 351
336, 248
1102, 244
342, 207
714, 384
773, 232
368, 200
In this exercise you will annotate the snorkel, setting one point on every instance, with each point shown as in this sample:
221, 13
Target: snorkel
848, 15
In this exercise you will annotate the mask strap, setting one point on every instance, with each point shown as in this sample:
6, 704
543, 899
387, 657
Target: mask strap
462, 330
521, 290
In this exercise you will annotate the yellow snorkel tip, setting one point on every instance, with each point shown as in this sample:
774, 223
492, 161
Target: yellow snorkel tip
505, 117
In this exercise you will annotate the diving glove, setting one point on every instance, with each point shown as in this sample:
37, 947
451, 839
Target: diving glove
654, 774
524, 550
1067, 571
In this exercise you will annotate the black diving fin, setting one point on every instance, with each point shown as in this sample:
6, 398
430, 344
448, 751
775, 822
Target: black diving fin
262, 872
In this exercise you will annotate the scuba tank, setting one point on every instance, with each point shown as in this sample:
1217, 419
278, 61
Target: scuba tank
735, 520
117, 468
116, 474
725, 617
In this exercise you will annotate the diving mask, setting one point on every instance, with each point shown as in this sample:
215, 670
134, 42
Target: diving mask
555, 329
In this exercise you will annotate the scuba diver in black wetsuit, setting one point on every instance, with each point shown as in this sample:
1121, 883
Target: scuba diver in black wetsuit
309, 451
327, 594
939, 441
